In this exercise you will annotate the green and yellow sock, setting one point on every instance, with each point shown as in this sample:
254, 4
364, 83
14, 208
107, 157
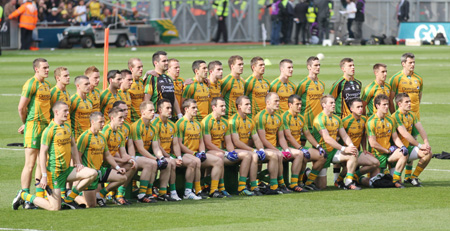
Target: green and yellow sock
408, 171
312, 177
27, 190
103, 192
397, 176
162, 191
149, 189
27, 196
350, 176
301, 176
281, 181
273, 184
242, 183
121, 191
221, 185
294, 180
72, 195
40, 192
253, 185
214, 186
143, 185
417, 172
197, 186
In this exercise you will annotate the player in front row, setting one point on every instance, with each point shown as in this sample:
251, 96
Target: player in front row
244, 136
282, 85
381, 129
216, 135
256, 86
59, 145
406, 121
93, 148
294, 127
145, 139
327, 126
191, 143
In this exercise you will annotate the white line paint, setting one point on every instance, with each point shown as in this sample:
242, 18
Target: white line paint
434, 103
20, 229
10, 94
12, 149
438, 170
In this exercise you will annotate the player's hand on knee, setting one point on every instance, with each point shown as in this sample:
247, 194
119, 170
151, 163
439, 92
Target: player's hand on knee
79, 167
162, 163
392, 149
404, 150
232, 156
261, 154
306, 153
287, 154
201, 156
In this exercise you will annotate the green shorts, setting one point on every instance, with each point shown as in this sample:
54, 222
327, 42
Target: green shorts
102, 177
330, 158
383, 158
55, 182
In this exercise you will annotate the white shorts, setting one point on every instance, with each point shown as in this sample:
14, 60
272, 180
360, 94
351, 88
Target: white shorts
414, 155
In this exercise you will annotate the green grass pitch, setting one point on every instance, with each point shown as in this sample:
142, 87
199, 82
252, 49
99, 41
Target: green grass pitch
424, 208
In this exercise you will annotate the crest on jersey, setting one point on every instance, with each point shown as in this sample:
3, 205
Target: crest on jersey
170, 129
197, 127
415, 81
223, 127
335, 122
265, 85
418, 88
248, 125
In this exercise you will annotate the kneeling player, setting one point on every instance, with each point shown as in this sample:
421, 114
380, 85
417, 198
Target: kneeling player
406, 120
245, 137
92, 145
381, 129
216, 133
191, 142
59, 144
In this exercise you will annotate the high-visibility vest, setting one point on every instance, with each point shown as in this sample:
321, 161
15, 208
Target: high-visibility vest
330, 5
311, 15
28, 15
221, 11
1, 13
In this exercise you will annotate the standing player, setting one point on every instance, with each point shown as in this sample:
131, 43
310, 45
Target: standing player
145, 139
116, 146
346, 88
232, 85
174, 72
311, 89
256, 86
161, 86
58, 92
137, 88
199, 90
381, 129
170, 148
111, 94
378, 86
326, 128
407, 81
80, 106
282, 85
93, 148
354, 125
270, 131
215, 70
34, 111
245, 137
94, 93
406, 120
216, 135
191, 142
127, 81
59, 146
294, 127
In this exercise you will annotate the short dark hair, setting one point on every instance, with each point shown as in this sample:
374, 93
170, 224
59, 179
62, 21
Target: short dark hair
292, 97
310, 60
161, 102
213, 64
112, 74
255, 60
155, 57
239, 100
354, 101
345, 60
285, 61
38, 62
125, 72
79, 78
188, 103
379, 98
58, 71
94, 115
405, 56
113, 111
378, 65
233, 59
57, 104
118, 102
400, 96
324, 98
215, 99
196, 64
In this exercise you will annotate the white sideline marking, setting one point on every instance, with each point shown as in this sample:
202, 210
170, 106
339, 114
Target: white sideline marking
433, 103
9, 95
20, 229
438, 170
12, 149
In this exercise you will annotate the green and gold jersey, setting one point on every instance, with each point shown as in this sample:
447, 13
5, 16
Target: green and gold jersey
126, 97
59, 141
57, 95
370, 92
256, 90
126, 131
94, 96
114, 139
294, 123
382, 129
200, 93
344, 91
137, 97
80, 110
245, 128
178, 83
92, 148
107, 99
217, 129
166, 132
232, 88
406, 119
412, 85
284, 90
190, 133
139, 131
355, 128
39, 95
271, 124
331, 124
215, 90
311, 93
